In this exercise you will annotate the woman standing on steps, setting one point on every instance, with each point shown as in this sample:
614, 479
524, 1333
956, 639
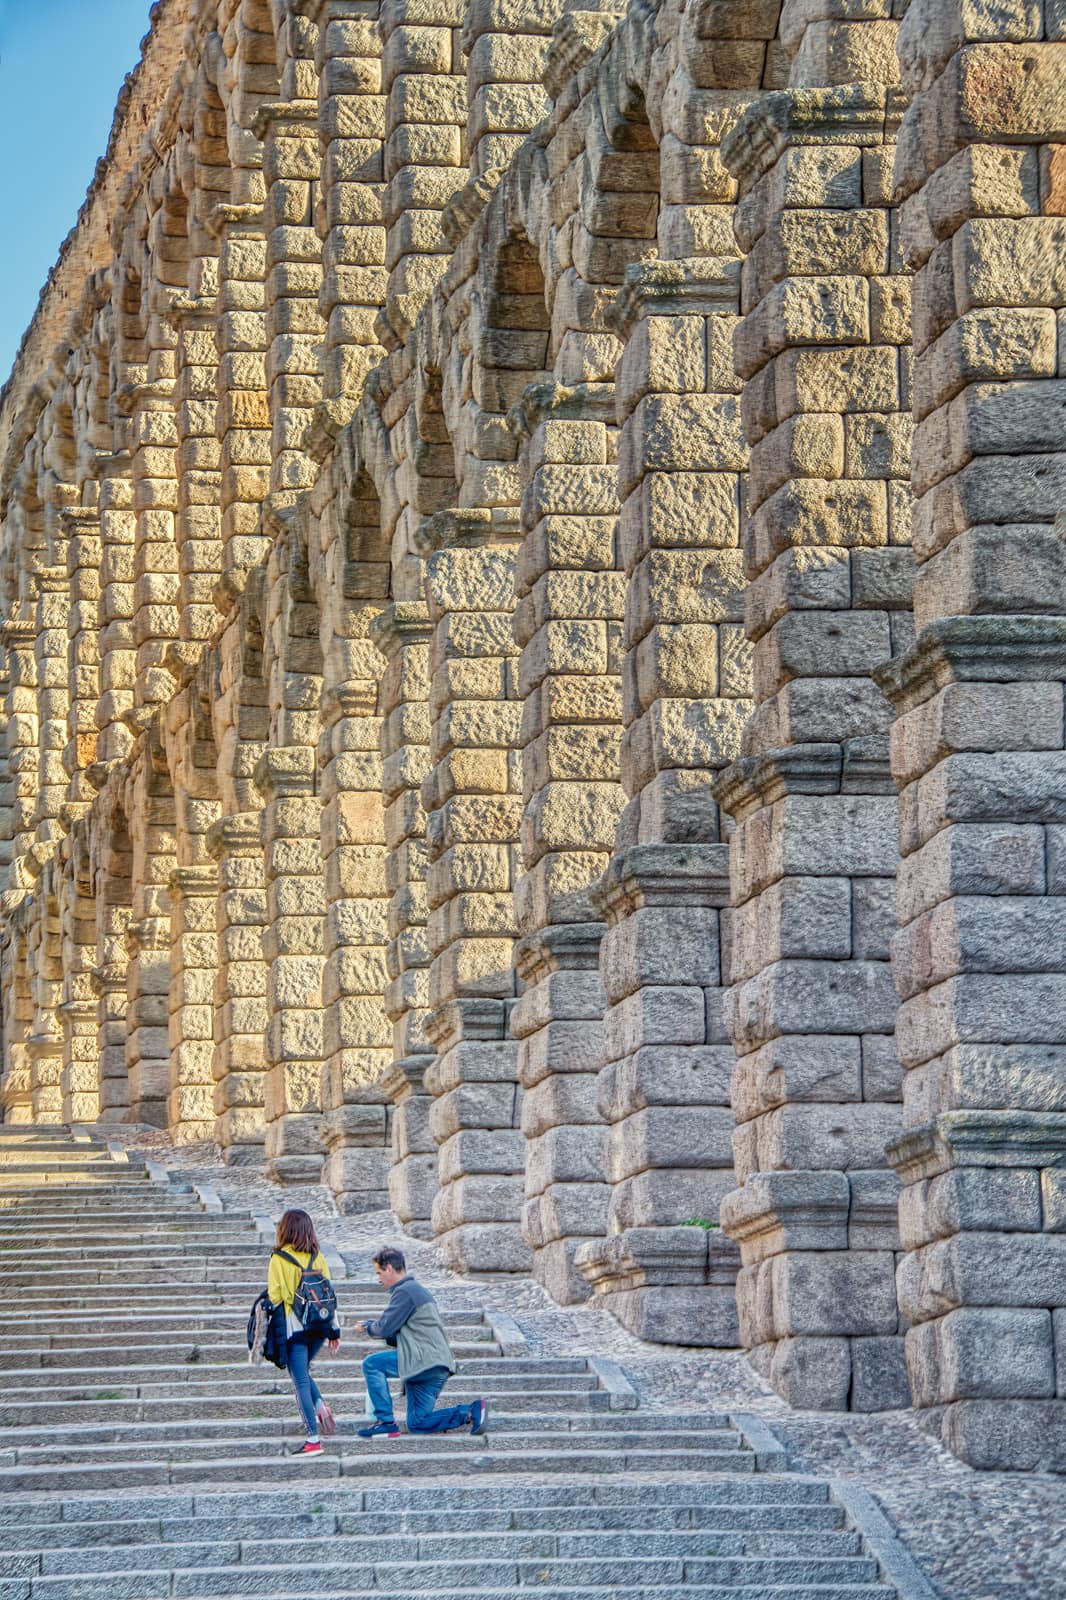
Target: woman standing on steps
296, 1252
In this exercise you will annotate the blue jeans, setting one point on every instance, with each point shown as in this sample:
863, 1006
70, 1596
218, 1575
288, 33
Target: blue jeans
302, 1349
422, 1391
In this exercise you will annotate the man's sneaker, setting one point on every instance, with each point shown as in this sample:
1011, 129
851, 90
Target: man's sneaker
479, 1415
309, 1448
380, 1430
326, 1420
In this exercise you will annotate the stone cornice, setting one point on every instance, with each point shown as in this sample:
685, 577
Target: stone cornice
853, 113
859, 767
402, 623
568, 947
663, 875
980, 1139
982, 649
549, 400
699, 287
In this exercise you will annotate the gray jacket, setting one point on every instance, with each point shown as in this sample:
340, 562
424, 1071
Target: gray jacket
412, 1323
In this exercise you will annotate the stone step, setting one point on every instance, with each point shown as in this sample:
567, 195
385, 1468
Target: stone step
472, 1496
422, 1574
730, 1520
187, 1587
209, 1352
77, 1328
378, 1460
260, 1542
211, 1437
347, 1400
537, 1431
230, 1369
229, 1249
285, 1549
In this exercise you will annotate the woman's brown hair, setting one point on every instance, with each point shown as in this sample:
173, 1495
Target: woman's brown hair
297, 1232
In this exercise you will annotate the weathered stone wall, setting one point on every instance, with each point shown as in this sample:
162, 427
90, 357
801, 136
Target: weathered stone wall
533, 679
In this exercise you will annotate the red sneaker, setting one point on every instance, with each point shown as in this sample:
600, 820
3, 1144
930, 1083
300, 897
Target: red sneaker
305, 1451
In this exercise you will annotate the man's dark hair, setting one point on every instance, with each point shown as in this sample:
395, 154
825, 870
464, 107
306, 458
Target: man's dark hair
390, 1256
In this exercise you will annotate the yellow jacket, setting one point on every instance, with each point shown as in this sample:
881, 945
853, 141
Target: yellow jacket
283, 1280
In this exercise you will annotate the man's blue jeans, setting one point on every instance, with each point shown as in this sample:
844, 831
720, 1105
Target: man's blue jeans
422, 1392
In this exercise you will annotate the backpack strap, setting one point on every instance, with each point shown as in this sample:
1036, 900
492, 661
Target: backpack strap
285, 1256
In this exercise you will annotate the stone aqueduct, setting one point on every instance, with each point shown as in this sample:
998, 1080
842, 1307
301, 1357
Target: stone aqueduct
535, 635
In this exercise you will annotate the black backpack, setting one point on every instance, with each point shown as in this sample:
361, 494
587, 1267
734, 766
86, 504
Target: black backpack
315, 1301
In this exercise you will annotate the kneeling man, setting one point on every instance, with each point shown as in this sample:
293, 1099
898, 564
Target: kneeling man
419, 1355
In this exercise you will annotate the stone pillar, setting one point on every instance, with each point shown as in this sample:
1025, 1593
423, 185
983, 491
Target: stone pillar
16, 1097
292, 945
113, 912
473, 813
665, 1268
154, 438
84, 555
291, 167
118, 660
21, 730
194, 958
45, 1043
358, 1034
812, 1007
240, 1005
243, 416
977, 747
351, 128
50, 650
152, 825
424, 156
198, 526
402, 633
568, 621
506, 46
81, 1062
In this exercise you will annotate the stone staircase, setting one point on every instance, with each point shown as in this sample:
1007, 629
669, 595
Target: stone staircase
141, 1456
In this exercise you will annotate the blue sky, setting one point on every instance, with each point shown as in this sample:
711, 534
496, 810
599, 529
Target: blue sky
61, 65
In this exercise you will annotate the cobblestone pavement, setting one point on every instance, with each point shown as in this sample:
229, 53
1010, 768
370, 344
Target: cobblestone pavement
976, 1536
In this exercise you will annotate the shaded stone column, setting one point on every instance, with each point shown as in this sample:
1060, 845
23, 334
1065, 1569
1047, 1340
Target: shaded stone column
53, 698
568, 621
78, 1012
16, 1096
425, 117
812, 1007
473, 811
243, 415
118, 660
403, 632
293, 323
349, 211
358, 1033
506, 46
84, 554
665, 1087
156, 583
977, 747
151, 812
240, 1005
194, 957
44, 1045
198, 459
21, 718
292, 945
